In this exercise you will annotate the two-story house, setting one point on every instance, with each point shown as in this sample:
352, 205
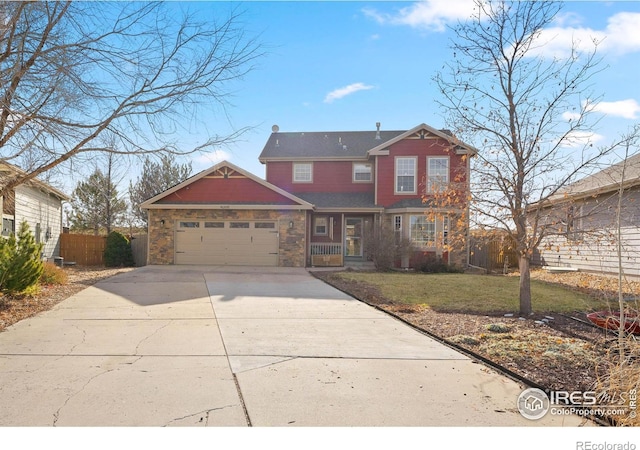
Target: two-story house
323, 195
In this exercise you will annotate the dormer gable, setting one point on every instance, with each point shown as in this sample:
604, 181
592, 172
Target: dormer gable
424, 132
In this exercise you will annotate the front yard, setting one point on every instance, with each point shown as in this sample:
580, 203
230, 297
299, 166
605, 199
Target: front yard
553, 348
479, 294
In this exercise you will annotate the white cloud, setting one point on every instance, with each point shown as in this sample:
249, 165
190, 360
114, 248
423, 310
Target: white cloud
429, 14
627, 109
569, 116
212, 158
344, 91
580, 139
621, 36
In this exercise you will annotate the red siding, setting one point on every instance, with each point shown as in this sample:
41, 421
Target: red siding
328, 176
226, 190
421, 149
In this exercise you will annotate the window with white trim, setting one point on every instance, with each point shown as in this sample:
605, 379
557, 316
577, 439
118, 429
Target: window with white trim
574, 223
437, 173
423, 231
362, 172
320, 226
8, 227
445, 230
406, 175
397, 224
302, 172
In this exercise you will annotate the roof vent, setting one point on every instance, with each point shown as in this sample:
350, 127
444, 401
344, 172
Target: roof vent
378, 131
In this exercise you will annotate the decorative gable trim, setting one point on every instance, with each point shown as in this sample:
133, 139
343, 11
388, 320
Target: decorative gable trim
423, 131
225, 172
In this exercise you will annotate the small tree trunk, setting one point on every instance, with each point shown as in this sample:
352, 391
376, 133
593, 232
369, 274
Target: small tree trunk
525, 286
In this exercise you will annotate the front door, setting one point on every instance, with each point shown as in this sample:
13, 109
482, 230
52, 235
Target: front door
353, 237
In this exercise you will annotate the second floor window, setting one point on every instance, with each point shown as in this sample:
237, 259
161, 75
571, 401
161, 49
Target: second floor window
302, 172
438, 175
406, 175
361, 172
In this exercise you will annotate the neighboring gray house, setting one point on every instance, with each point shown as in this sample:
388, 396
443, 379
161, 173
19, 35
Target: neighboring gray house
582, 218
37, 203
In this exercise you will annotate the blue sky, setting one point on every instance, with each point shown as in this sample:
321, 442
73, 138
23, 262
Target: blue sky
337, 65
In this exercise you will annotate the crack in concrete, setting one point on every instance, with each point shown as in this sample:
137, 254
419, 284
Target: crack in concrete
56, 415
84, 337
274, 363
204, 419
151, 335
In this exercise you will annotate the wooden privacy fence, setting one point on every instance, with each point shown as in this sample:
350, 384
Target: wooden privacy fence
139, 249
492, 254
87, 250
83, 249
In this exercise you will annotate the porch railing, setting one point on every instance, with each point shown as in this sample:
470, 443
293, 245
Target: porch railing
326, 249
326, 255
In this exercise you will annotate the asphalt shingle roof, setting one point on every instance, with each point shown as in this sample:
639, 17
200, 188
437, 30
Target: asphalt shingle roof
324, 144
604, 181
339, 199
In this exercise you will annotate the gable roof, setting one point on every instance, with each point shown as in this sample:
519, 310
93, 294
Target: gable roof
270, 196
347, 145
459, 146
607, 180
8, 170
323, 144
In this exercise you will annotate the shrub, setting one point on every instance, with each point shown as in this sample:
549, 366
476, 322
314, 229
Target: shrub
20, 261
384, 247
429, 263
53, 274
117, 252
498, 328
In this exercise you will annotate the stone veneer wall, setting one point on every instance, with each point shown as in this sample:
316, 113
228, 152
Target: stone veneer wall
161, 237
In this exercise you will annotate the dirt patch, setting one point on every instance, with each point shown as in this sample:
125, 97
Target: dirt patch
558, 352
16, 308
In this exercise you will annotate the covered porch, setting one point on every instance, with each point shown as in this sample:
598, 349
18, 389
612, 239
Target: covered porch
339, 238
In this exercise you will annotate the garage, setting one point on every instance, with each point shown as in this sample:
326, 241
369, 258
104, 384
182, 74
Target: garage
226, 216
233, 243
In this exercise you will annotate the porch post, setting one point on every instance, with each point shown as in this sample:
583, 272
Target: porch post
343, 236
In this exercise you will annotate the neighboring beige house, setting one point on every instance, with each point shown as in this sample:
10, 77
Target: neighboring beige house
37, 203
584, 222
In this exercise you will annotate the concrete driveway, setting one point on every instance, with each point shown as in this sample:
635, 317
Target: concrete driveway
215, 346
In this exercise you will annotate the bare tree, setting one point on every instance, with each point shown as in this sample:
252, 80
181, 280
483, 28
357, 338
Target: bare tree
72, 71
501, 94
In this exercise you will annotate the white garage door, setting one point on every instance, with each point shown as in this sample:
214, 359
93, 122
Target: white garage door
233, 243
